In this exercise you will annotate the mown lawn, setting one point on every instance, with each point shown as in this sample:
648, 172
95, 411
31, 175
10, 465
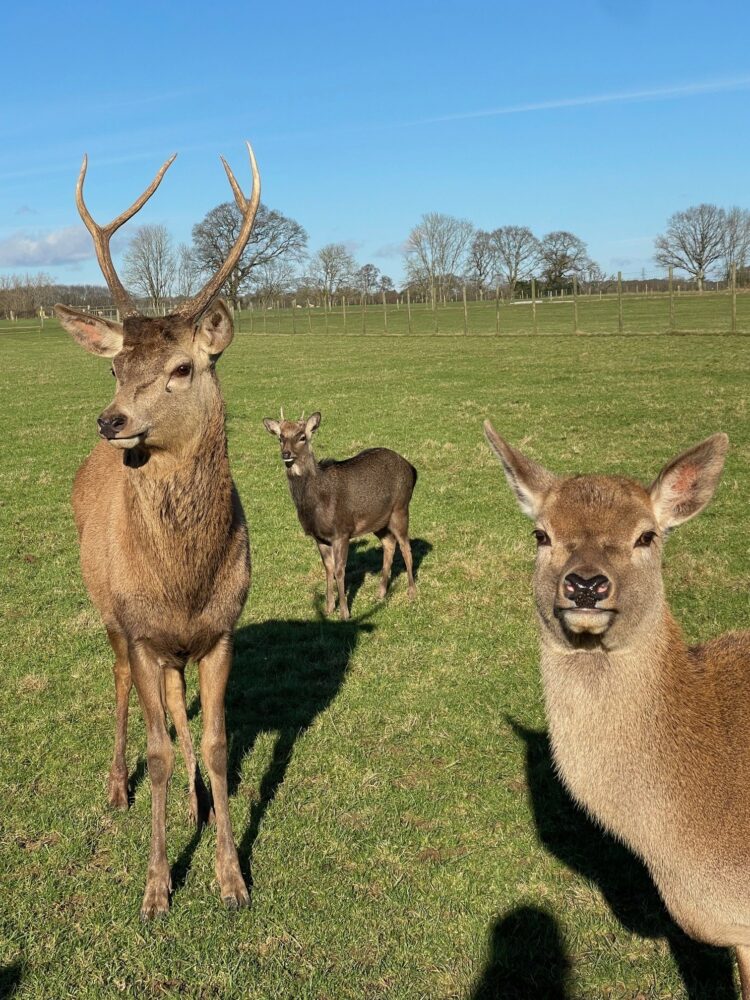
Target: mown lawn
392, 792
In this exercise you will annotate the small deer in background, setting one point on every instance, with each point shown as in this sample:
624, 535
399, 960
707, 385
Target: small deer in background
164, 546
338, 501
650, 735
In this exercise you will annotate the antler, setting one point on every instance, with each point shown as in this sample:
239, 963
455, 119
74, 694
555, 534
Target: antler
281, 412
103, 234
195, 306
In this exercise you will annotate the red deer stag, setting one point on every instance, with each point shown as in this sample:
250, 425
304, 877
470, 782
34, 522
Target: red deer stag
338, 501
650, 735
164, 545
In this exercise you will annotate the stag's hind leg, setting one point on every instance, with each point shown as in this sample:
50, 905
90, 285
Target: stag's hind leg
199, 809
389, 548
340, 552
399, 525
326, 554
117, 785
214, 672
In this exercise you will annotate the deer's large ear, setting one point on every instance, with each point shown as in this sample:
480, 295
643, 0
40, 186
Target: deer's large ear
94, 333
312, 424
529, 481
215, 330
686, 484
272, 426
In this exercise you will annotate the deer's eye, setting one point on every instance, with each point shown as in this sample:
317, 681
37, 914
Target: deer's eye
645, 539
542, 538
112, 371
302, 439
181, 371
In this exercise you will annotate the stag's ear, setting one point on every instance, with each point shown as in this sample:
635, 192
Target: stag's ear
94, 333
272, 426
529, 481
686, 484
215, 329
312, 424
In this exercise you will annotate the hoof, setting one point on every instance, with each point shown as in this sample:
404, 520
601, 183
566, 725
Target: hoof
117, 793
155, 902
234, 892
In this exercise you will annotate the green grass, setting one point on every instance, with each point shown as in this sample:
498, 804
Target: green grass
392, 789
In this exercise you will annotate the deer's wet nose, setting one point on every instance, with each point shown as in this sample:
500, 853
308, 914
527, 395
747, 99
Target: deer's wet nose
111, 424
286, 455
586, 592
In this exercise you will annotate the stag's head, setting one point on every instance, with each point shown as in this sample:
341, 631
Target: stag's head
294, 437
164, 366
598, 572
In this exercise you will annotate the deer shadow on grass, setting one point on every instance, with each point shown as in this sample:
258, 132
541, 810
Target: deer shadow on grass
525, 958
285, 673
567, 832
10, 979
367, 560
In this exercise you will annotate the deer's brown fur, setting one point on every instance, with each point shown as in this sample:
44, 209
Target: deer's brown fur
337, 501
650, 735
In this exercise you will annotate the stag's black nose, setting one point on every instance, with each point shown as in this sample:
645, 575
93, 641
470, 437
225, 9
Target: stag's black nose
586, 593
287, 456
109, 426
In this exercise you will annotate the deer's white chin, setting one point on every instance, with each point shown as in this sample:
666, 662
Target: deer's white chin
124, 443
594, 621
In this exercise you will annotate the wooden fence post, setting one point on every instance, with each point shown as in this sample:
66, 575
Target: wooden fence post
294, 316
385, 315
671, 299
533, 305
619, 302
497, 308
309, 317
734, 298
466, 314
408, 308
343, 304
575, 304
364, 314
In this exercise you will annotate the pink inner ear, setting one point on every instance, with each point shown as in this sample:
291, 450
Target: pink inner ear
686, 479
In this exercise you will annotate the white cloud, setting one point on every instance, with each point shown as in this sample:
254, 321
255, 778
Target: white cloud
59, 246
391, 249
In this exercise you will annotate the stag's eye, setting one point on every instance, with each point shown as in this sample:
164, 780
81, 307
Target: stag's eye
542, 538
645, 539
112, 371
302, 439
182, 371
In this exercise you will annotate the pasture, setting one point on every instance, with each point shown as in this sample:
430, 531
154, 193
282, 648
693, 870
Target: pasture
392, 790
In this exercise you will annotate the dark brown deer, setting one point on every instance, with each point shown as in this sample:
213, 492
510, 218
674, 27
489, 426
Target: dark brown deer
164, 545
338, 501
650, 735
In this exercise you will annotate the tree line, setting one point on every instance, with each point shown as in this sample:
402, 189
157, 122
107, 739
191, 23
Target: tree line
442, 254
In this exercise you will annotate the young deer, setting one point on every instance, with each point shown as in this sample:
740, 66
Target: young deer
164, 546
338, 501
651, 736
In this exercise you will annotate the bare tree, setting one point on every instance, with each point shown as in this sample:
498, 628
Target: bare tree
274, 235
481, 260
693, 241
435, 249
517, 253
366, 279
736, 238
561, 255
273, 279
187, 272
151, 264
332, 267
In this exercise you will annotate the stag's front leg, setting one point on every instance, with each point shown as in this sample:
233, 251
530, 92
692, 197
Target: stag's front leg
117, 786
200, 810
340, 552
148, 678
213, 673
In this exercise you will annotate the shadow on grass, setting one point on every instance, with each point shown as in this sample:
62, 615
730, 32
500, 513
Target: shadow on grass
284, 674
367, 560
566, 831
525, 958
10, 979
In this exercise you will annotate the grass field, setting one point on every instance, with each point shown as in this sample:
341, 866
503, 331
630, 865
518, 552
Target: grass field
392, 791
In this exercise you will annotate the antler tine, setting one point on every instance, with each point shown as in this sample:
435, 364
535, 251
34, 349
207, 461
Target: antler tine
302, 417
281, 411
195, 306
101, 235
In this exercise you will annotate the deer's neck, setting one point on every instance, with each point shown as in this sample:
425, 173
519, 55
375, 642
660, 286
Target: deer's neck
620, 722
303, 479
184, 499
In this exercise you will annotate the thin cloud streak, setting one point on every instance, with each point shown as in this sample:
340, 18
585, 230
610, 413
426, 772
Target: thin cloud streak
624, 97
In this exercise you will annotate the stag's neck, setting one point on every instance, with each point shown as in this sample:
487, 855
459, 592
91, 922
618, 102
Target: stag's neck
184, 495
619, 720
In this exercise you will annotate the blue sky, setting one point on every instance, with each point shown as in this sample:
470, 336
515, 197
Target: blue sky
603, 118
